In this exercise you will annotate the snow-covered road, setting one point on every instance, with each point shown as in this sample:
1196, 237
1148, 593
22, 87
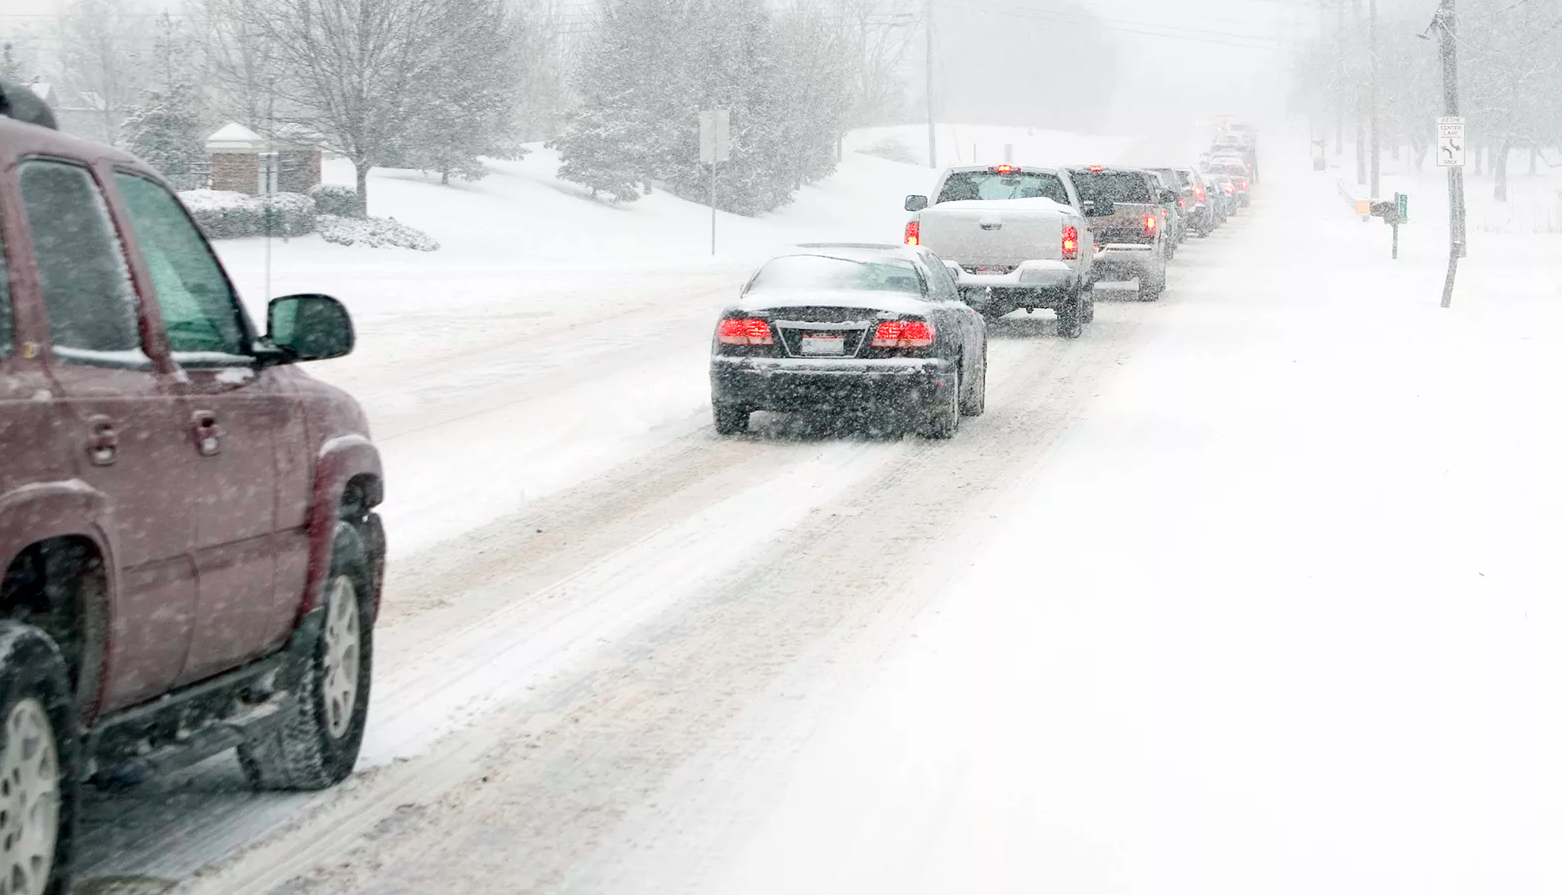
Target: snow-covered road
1239, 591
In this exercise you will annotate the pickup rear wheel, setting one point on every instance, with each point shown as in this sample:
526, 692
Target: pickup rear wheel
38, 781
1071, 316
316, 743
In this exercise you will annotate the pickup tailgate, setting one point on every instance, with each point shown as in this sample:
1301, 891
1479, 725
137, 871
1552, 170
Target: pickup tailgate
1126, 224
994, 233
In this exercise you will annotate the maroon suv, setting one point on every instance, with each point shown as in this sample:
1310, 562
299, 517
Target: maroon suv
191, 557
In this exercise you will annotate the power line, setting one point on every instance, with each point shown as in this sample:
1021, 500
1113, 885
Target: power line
1254, 42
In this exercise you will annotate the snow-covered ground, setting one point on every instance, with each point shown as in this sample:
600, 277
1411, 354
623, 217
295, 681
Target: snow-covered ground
1246, 589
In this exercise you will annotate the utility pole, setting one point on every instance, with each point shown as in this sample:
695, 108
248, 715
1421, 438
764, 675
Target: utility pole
932, 132
1372, 96
1361, 115
1447, 26
1339, 58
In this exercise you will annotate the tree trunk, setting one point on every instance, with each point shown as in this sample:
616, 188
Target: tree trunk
361, 171
444, 178
1499, 170
1480, 158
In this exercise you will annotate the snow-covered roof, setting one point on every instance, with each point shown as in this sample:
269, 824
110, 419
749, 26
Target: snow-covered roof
235, 137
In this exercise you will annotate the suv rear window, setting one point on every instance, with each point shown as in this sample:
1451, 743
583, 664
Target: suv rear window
991, 185
82, 273
826, 272
1119, 186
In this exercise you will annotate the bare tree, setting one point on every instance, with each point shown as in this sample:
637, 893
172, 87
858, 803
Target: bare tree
104, 48
352, 70
237, 59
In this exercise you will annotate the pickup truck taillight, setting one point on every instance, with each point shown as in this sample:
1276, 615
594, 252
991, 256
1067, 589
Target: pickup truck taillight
913, 233
744, 331
903, 334
1198, 192
1150, 225
1070, 243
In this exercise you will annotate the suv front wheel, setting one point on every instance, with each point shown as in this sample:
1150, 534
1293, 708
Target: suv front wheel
316, 744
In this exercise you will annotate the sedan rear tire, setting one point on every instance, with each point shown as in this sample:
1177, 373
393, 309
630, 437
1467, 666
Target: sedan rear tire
975, 402
944, 418
731, 419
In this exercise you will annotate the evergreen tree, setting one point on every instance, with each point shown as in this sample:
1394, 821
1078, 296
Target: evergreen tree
166, 133
593, 152
468, 109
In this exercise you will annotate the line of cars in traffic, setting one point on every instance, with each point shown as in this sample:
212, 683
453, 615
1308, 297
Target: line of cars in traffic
900, 330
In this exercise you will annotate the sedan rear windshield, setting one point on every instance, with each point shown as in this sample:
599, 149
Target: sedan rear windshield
991, 185
1119, 186
826, 272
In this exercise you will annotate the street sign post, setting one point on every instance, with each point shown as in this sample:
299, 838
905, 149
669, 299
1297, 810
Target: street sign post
715, 148
1450, 142
1393, 213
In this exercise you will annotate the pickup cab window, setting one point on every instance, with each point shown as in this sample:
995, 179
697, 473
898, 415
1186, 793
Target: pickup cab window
7, 328
199, 309
82, 273
1119, 186
991, 185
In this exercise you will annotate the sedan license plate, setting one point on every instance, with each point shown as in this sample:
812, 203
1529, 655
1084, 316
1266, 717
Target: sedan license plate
824, 344
990, 270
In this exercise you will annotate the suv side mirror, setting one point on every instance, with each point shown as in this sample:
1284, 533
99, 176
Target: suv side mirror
1099, 208
916, 203
309, 327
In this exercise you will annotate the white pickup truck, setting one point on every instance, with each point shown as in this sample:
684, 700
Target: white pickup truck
1016, 236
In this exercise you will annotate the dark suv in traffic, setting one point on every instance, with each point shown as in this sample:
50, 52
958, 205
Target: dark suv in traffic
190, 554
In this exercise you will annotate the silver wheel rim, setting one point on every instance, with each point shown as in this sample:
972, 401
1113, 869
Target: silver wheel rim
29, 800
340, 688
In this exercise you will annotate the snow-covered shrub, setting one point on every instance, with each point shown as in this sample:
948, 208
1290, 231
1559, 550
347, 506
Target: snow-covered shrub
222, 214
292, 214
892, 149
228, 215
331, 198
374, 233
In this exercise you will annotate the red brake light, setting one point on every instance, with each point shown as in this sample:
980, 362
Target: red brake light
1096, 169
1150, 224
1199, 192
1230, 189
903, 334
913, 233
1182, 203
1005, 169
1070, 243
1244, 184
744, 331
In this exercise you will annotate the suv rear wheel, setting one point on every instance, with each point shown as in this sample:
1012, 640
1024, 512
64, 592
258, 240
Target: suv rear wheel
37, 763
317, 744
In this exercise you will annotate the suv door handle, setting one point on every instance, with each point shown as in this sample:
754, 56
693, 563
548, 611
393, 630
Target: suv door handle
102, 441
208, 435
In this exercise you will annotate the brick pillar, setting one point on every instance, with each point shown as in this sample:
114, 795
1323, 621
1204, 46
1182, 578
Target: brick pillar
237, 172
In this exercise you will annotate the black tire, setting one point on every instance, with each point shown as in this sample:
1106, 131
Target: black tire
303, 752
1089, 315
1150, 288
944, 419
36, 698
731, 419
975, 402
1071, 316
